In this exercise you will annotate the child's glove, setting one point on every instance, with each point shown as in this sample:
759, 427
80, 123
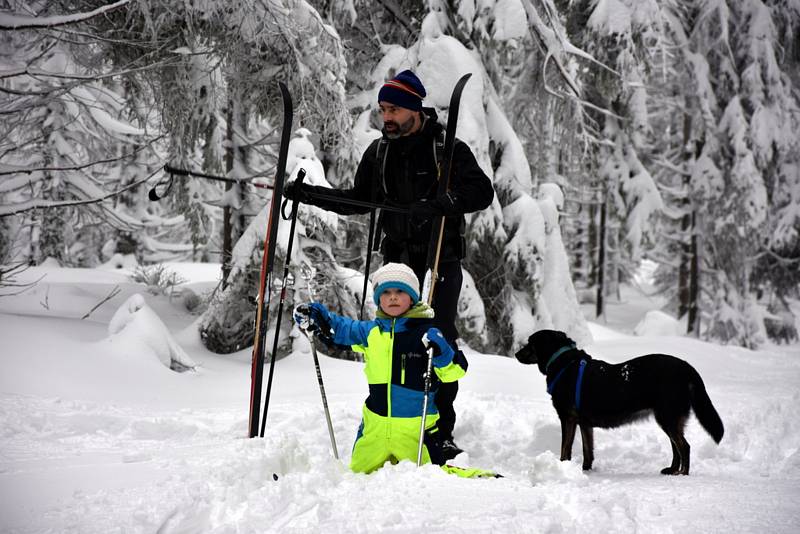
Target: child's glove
315, 318
442, 351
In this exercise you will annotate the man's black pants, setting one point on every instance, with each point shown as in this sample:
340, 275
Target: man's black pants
445, 305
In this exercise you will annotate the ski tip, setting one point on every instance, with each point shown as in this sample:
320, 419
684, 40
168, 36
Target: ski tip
463, 80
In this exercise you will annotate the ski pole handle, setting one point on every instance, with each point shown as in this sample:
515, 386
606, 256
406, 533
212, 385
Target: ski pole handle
426, 341
301, 175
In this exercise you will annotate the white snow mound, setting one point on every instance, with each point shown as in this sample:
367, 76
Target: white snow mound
136, 324
658, 323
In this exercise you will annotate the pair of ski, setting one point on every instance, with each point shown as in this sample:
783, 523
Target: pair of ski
268, 260
266, 284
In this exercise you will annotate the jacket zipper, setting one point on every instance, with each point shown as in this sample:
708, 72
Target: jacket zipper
389, 383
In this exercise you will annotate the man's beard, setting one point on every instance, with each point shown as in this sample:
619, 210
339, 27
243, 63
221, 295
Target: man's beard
400, 129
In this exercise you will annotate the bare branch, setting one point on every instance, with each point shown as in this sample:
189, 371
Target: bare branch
114, 292
8, 275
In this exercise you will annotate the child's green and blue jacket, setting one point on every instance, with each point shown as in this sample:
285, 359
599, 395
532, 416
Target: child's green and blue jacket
396, 359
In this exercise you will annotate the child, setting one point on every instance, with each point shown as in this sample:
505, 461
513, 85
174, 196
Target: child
396, 362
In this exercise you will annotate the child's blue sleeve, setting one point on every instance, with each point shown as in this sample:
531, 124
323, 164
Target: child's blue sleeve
348, 331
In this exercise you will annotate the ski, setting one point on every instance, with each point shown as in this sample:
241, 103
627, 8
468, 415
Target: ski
301, 174
267, 261
445, 169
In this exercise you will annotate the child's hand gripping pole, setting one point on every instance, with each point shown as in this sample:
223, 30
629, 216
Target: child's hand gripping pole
440, 354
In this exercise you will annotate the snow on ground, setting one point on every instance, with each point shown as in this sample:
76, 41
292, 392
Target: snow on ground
98, 435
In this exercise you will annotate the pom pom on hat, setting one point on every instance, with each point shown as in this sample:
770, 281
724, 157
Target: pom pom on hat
398, 276
404, 90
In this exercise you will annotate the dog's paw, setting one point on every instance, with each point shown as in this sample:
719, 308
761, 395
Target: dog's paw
672, 471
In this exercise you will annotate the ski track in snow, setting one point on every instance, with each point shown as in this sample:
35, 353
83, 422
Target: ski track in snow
93, 440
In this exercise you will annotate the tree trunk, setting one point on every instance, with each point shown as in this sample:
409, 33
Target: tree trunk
693, 321
687, 227
227, 212
601, 260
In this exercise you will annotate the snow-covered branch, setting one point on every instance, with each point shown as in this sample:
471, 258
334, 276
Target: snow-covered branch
10, 185
24, 22
34, 203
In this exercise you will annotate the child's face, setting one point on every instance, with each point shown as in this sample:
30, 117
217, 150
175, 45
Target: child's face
395, 302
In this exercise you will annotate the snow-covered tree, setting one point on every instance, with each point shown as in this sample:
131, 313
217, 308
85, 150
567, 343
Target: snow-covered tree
64, 126
741, 154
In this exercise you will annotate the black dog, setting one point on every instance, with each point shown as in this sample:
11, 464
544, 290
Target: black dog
591, 393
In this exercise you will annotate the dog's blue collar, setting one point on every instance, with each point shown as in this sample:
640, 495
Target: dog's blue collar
558, 353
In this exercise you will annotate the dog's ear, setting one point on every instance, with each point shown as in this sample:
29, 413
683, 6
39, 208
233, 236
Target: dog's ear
567, 340
548, 341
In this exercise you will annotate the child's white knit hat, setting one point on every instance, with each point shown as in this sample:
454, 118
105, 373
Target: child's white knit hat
395, 275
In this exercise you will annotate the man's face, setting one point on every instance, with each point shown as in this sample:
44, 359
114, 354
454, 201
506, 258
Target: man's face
398, 121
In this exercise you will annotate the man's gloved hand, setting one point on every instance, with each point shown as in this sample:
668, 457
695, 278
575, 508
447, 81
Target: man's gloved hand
315, 318
298, 192
432, 207
442, 351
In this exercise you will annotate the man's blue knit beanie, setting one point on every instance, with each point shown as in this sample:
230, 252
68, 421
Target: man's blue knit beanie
404, 90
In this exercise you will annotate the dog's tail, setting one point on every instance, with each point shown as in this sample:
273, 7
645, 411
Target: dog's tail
704, 410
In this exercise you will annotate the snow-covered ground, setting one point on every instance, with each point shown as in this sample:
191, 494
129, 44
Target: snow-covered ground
99, 435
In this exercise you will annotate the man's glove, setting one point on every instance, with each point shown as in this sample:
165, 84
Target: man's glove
432, 207
299, 192
315, 318
442, 351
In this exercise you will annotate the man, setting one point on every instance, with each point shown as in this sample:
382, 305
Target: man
401, 169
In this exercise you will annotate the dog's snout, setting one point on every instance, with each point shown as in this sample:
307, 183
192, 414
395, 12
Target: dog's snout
526, 355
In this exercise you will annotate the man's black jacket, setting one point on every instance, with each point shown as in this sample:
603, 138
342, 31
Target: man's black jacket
409, 175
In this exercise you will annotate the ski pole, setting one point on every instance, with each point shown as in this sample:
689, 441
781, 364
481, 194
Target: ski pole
155, 196
301, 174
357, 203
426, 390
308, 273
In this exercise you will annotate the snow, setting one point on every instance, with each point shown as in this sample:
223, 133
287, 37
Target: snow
510, 20
612, 16
95, 442
658, 323
135, 326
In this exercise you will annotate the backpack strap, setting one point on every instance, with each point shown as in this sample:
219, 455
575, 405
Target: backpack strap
381, 155
438, 152
379, 177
